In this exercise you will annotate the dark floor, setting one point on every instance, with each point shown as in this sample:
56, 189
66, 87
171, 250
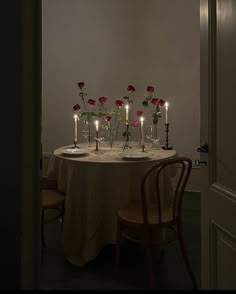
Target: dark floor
170, 272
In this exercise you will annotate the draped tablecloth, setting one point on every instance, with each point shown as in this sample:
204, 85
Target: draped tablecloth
96, 186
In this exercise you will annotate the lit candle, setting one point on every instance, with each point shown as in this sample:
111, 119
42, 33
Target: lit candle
127, 114
167, 106
96, 125
142, 136
76, 127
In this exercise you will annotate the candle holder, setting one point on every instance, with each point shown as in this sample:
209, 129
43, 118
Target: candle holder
143, 148
126, 145
97, 140
166, 146
89, 133
140, 137
75, 145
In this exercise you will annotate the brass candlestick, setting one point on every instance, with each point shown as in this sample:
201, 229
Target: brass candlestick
75, 145
166, 146
143, 147
126, 145
96, 140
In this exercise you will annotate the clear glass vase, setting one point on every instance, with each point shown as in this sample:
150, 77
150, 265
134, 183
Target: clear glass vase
86, 132
152, 134
156, 139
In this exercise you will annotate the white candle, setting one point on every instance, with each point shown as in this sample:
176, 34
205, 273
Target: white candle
167, 106
96, 125
127, 113
76, 127
142, 136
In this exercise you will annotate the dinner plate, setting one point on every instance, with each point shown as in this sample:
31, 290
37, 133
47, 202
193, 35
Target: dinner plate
135, 156
74, 152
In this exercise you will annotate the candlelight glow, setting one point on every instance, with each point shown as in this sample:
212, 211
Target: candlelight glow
127, 113
166, 106
96, 125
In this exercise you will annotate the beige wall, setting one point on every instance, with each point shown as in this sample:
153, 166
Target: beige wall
110, 44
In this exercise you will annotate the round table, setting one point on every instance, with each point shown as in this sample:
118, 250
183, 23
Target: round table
96, 186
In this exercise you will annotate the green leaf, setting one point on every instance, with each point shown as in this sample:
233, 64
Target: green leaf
155, 121
125, 134
157, 108
145, 103
154, 115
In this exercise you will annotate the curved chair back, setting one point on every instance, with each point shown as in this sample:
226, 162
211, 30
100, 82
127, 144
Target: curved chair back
181, 167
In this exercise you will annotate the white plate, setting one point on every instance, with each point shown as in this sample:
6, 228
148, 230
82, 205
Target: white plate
74, 152
135, 156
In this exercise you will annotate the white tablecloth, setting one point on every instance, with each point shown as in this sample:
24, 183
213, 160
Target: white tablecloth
96, 186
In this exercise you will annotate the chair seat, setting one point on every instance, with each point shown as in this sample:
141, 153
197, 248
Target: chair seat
52, 198
134, 214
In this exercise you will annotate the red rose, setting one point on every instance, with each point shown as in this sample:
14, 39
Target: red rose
131, 89
81, 85
139, 113
119, 103
155, 101
108, 118
161, 102
91, 102
76, 107
150, 89
102, 100
135, 123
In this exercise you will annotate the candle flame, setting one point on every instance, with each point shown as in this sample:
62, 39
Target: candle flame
141, 118
75, 116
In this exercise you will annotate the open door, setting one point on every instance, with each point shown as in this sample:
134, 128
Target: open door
218, 153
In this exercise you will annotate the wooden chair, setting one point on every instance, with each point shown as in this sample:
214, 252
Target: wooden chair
52, 199
144, 222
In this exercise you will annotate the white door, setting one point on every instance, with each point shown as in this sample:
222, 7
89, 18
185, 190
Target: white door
218, 130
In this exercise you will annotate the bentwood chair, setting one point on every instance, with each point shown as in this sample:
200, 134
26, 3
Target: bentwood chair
152, 223
53, 202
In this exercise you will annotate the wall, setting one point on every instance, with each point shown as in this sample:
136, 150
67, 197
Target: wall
110, 44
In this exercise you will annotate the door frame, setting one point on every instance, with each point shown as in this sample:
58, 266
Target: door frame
207, 121
31, 162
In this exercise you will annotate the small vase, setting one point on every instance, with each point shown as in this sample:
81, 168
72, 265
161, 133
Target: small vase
156, 140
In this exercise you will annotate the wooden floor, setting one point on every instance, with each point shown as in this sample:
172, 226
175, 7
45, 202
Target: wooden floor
170, 272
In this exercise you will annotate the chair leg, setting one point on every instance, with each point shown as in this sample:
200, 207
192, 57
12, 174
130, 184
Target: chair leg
42, 230
62, 216
184, 253
118, 244
148, 246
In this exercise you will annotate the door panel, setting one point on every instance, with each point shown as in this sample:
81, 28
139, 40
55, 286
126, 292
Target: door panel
225, 94
218, 185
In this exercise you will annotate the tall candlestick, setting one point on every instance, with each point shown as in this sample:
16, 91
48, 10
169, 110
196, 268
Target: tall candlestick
142, 136
167, 106
76, 128
127, 114
97, 125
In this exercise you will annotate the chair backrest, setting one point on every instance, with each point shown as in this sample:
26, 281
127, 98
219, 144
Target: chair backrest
169, 175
